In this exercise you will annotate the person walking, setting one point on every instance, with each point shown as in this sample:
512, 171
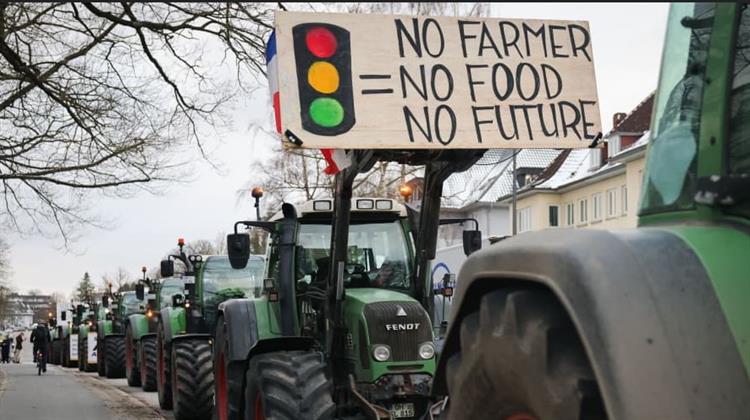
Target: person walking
7, 341
41, 339
19, 346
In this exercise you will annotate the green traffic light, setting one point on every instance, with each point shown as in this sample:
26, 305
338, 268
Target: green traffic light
326, 112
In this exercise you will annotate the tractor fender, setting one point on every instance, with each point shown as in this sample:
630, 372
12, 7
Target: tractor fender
242, 333
242, 327
173, 320
644, 308
138, 325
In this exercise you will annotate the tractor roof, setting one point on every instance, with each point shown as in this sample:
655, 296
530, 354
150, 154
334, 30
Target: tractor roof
359, 205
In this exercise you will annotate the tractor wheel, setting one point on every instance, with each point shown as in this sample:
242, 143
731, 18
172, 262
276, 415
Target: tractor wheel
288, 385
114, 356
192, 379
147, 369
163, 365
229, 378
54, 352
101, 352
131, 359
522, 349
81, 358
65, 355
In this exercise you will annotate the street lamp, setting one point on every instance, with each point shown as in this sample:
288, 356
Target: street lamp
257, 193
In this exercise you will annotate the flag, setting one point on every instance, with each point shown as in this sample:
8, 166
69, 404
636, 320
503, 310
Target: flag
336, 159
273, 78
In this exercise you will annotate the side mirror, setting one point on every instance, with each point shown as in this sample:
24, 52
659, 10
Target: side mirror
177, 300
105, 301
139, 293
472, 241
63, 315
238, 248
79, 311
167, 268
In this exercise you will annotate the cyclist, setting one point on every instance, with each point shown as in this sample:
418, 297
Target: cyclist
41, 339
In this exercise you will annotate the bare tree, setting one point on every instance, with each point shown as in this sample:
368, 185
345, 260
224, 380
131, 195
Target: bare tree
120, 280
100, 96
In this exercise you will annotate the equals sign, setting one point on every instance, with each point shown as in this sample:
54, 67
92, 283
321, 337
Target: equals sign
375, 77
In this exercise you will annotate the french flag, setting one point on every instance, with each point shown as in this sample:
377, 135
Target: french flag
337, 159
273, 78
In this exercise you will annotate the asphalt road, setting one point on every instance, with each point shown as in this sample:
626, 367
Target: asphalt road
67, 394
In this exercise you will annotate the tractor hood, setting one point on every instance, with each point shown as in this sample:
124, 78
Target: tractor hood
380, 317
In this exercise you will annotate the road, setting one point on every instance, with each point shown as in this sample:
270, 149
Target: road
67, 394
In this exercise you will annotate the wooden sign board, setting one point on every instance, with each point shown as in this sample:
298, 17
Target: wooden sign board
350, 81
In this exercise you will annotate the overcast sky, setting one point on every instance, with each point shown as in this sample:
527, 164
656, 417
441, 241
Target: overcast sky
627, 41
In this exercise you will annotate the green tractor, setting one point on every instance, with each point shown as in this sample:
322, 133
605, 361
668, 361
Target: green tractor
140, 333
185, 329
111, 338
646, 323
335, 332
87, 336
68, 336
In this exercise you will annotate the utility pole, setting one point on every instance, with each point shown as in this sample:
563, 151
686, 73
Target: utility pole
513, 200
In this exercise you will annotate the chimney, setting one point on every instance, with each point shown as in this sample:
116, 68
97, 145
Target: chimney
617, 119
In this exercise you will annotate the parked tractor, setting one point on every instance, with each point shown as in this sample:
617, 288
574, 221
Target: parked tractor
87, 336
186, 328
111, 332
140, 334
321, 342
646, 323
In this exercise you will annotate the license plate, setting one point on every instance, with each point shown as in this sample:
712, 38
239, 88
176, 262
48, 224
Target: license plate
402, 410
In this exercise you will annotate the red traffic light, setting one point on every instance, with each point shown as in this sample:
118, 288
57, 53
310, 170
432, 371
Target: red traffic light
321, 42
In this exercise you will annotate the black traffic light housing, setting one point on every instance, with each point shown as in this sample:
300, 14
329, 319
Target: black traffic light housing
324, 45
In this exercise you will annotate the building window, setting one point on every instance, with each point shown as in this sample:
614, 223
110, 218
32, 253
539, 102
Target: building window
596, 202
570, 214
554, 216
613, 145
584, 211
624, 199
612, 202
524, 220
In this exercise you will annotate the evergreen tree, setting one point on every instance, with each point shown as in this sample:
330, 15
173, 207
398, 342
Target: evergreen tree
85, 290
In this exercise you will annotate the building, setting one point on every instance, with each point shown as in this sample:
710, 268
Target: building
594, 188
474, 193
24, 310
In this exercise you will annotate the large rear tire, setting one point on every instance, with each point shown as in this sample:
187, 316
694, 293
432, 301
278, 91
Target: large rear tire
288, 385
114, 356
101, 351
81, 355
131, 362
163, 367
229, 378
521, 358
147, 366
192, 379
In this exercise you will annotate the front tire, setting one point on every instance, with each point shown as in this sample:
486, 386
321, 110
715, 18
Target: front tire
288, 385
522, 349
192, 379
101, 351
228, 378
147, 354
163, 365
131, 365
114, 356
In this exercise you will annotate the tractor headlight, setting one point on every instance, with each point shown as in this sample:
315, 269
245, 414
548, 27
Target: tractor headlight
426, 350
381, 353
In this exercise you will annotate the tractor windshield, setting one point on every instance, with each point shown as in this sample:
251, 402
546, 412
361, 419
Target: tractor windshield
222, 282
170, 287
739, 119
378, 255
671, 170
131, 304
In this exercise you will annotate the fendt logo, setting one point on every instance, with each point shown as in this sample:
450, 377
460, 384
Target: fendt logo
402, 327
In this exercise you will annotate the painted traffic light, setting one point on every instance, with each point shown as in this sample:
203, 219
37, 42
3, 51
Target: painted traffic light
324, 75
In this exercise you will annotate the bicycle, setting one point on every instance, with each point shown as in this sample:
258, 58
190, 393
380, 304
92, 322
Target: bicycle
40, 363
